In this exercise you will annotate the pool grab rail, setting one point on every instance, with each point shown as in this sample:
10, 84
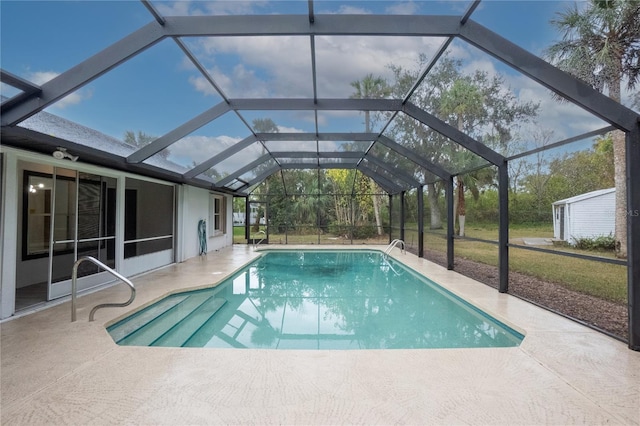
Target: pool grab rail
255, 245
74, 287
394, 243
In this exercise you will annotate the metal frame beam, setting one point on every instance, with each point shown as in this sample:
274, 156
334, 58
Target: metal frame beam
343, 136
206, 165
374, 25
420, 221
549, 76
315, 154
396, 173
321, 104
22, 138
260, 177
178, 133
384, 183
450, 231
299, 25
452, 133
236, 174
503, 226
28, 89
420, 161
402, 219
85, 72
563, 142
633, 235
391, 177
18, 82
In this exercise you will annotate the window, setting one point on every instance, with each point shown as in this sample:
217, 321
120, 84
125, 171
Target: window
217, 208
148, 217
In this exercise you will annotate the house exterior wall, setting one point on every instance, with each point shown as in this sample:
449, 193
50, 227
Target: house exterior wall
192, 204
587, 218
196, 205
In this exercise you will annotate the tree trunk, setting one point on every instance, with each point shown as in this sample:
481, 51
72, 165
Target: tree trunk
620, 173
376, 212
434, 208
455, 210
620, 179
462, 209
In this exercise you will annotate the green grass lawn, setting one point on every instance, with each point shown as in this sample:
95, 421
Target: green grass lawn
603, 280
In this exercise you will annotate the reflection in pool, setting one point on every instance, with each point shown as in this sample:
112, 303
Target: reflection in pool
317, 300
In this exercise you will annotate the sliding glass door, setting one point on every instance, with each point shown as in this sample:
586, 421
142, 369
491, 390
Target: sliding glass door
84, 213
66, 215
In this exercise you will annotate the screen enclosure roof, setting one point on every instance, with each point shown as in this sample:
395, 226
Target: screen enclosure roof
222, 95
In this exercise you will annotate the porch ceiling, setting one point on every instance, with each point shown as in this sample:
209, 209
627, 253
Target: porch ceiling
303, 127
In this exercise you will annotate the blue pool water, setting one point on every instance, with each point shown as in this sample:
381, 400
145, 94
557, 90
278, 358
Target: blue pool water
317, 300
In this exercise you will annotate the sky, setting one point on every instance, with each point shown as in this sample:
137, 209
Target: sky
159, 89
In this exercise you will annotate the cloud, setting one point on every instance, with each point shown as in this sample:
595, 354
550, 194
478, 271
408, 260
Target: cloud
195, 8
285, 129
352, 10
41, 77
405, 8
258, 66
197, 148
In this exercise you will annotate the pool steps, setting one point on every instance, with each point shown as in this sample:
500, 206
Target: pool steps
191, 325
163, 324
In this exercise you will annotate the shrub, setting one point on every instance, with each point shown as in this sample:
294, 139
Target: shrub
364, 232
340, 229
602, 243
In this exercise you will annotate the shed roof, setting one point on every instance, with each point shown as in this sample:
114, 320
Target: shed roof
585, 196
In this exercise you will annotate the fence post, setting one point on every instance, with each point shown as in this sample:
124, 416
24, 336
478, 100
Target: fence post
633, 235
420, 221
450, 218
503, 223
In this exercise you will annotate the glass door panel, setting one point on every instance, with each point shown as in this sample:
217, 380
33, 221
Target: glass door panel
258, 224
38, 207
64, 234
84, 225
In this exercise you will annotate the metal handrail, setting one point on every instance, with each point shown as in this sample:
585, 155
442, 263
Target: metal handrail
74, 287
255, 245
386, 261
394, 243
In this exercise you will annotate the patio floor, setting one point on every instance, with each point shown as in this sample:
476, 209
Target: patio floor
54, 371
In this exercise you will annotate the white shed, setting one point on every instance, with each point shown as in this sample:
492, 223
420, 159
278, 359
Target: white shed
586, 215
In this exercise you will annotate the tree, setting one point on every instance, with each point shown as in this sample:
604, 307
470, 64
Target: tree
570, 175
367, 88
141, 139
463, 99
538, 179
262, 125
370, 87
477, 104
601, 46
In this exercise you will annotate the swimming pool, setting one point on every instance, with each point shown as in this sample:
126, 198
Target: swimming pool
358, 299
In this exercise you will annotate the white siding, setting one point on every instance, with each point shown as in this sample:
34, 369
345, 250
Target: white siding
195, 205
592, 217
587, 215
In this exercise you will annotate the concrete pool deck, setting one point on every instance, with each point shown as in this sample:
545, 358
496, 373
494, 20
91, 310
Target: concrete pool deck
54, 371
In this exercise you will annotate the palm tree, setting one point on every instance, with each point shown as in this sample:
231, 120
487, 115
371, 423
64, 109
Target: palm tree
367, 88
601, 46
461, 101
